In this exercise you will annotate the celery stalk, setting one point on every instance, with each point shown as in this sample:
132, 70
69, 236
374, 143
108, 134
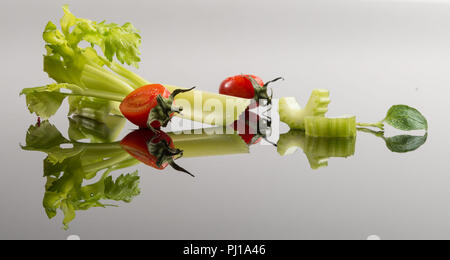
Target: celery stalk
293, 115
331, 127
210, 108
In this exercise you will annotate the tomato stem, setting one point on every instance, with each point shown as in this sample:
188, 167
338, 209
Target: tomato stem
163, 112
261, 92
272, 81
179, 168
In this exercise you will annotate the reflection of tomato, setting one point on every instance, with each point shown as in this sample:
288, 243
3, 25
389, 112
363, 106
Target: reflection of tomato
154, 148
250, 132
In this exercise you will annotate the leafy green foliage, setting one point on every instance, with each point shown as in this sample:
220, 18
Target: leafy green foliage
117, 41
402, 117
44, 104
45, 101
406, 118
95, 82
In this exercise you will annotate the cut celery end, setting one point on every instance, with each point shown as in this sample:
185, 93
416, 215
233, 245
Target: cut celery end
209, 144
210, 108
330, 127
294, 115
291, 113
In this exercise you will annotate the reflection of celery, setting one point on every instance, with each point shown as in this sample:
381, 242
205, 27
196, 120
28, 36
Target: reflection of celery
85, 128
70, 163
209, 144
317, 150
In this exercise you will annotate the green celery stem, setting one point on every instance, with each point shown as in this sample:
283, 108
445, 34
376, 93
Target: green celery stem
378, 125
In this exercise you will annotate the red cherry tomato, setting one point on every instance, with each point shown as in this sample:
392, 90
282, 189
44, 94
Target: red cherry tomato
150, 106
240, 86
137, 105
246, 86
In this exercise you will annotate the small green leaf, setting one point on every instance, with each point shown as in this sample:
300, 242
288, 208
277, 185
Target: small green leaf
405, 143
406, 118
43, 104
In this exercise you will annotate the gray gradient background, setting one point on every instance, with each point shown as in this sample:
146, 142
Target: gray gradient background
370, 54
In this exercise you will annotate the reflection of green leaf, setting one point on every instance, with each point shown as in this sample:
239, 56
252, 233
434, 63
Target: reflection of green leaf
67, 193
44, 136
53, 168
125, 188
69, 213
399, 143
405, 143
69, 164
406, 118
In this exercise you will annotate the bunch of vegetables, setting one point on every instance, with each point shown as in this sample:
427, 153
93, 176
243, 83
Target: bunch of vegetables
312, 118
101, 91
336, 136
97, 85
